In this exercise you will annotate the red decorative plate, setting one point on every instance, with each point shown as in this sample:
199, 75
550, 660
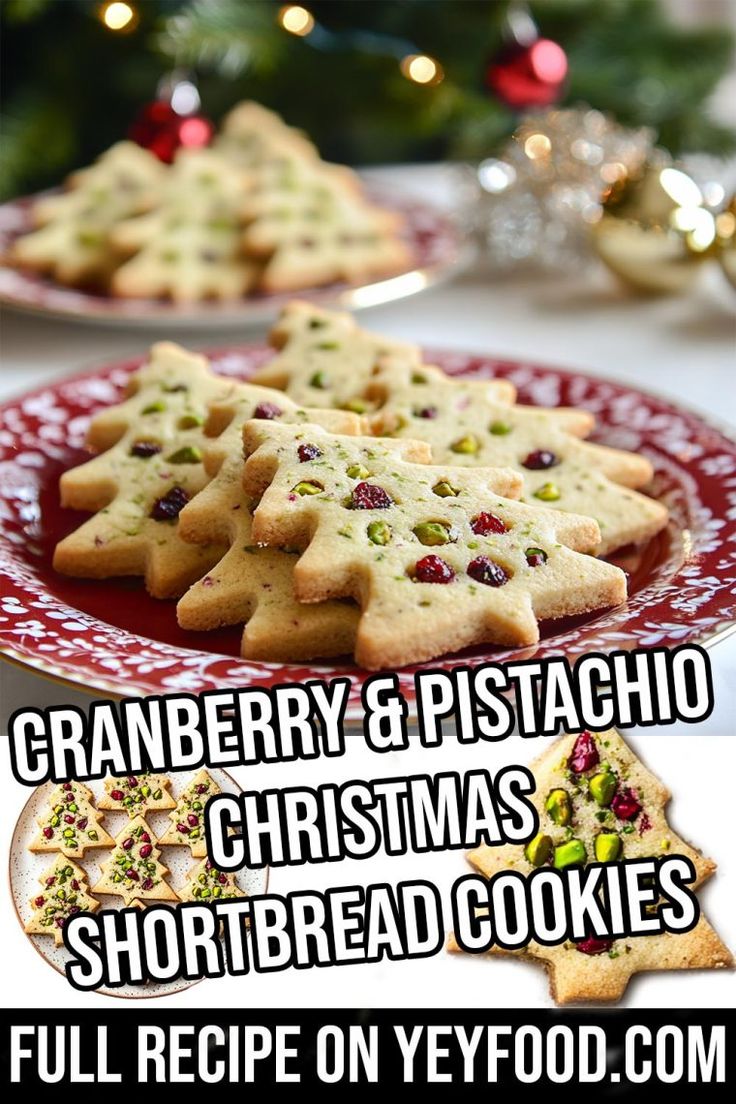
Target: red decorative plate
439, 250
110, 636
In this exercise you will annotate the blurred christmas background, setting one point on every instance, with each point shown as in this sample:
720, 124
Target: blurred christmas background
380, 81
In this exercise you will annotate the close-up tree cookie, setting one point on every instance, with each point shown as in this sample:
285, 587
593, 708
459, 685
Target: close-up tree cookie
150, 468
438, 557
252, 585
134, 870
71, 824
597, 802
64, 893
467, 426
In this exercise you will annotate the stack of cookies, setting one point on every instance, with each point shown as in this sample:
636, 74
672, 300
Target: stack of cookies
259, 211
353, 500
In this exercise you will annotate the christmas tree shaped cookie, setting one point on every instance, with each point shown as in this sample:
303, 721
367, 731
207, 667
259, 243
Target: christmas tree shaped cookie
134, 870
250, 584
310, 225
187, 819
438, 557
151, 467
73, 239
251, 136
468, 427
65, 892
137, 794
71, 823
189, 248
597, 802
325, 359
207, 883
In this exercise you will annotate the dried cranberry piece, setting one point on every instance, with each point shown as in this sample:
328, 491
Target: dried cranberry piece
132, 874
201, 787
625, 805
127, 843
208, 865
485, 570
82, 823
170, 505
132, 780
145, 850
66, 786
50, 881
60, 921
117, 795
584, 754
144, 449
69, 797
593, 946
427, 412
74, 884
485, 523
48, 833
644, 824
367, 496
74, 910
192, 820
147, 883
433, 569
222, 879
540, 459
182, 828
536, 557
69, 819
267, 410
308, 452
39, 901
144, 836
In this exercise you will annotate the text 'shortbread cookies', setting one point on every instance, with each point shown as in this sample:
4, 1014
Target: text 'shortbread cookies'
64, 893
151, 467
71, 824
465, 425
597, 802
137, 794
187, 819
134, 870
326, 359
438, 557
252, 585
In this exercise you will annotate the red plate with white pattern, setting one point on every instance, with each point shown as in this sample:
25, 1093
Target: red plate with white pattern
439, 250
110, 636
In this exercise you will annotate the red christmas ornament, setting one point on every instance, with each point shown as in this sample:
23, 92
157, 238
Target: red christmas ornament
158, 127
526, 75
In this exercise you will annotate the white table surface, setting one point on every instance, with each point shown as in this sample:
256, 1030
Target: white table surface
684, 347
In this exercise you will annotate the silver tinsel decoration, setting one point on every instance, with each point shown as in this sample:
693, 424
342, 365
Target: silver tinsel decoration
543, 192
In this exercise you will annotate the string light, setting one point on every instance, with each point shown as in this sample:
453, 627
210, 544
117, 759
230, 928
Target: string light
296, 20
422, 69
118, 16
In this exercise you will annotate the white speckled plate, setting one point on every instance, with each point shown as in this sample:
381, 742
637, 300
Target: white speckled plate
25, 869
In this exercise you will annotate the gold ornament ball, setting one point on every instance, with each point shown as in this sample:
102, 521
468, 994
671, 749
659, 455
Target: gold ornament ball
654, 230
726, 241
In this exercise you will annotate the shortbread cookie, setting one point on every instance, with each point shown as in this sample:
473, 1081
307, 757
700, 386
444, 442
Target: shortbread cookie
137, 794
151, 468
189, 248
436, 556
465, 426
311, 226
326, 359
73, 243
597, 802
207, 884
187, 819
134, 870
71, 824
251, 135
253, 585
64, 893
